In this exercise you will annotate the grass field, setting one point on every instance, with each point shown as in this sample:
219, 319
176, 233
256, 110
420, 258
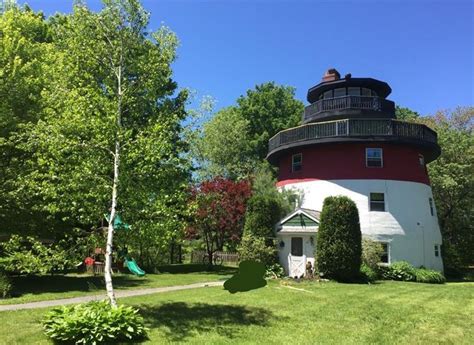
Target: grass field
40, 288
292, 313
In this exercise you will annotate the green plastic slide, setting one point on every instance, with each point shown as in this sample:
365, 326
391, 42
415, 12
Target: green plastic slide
133, 267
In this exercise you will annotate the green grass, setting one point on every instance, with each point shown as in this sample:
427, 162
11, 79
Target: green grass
305, 313
41, 288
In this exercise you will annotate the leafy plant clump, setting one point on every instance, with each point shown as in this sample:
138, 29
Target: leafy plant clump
256, 248
368, 274
94, 323
423, 275
274, 271
404, 271
5, 285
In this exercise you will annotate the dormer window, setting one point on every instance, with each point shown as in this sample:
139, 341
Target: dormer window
373, 158
296, 162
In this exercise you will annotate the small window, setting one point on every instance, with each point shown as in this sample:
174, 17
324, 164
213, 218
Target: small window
297, 246
340, 92
384, 257
353, 91
296, 162
373, 158
328, 94
431, 206
365, 92
377, 202
421, 159
436, 250
373, 93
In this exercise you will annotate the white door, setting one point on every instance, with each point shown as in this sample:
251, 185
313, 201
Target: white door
296, 259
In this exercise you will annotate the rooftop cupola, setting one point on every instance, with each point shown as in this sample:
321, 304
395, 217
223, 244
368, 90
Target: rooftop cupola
336, 98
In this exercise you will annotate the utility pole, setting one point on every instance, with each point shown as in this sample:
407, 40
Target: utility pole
5, 5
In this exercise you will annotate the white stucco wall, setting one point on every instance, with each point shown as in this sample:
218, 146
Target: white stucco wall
308, 248
407, 224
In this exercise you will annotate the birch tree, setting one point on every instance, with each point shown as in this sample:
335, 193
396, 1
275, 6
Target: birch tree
111, 129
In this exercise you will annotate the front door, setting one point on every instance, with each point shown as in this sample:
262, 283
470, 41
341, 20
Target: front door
297, 261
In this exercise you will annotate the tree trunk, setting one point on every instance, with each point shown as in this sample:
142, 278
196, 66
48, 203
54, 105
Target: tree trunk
110, 233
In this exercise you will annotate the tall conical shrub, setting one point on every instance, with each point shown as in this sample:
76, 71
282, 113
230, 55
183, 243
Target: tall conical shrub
339, 246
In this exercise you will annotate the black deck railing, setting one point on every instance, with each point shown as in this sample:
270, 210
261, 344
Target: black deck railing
353, 128
348, 102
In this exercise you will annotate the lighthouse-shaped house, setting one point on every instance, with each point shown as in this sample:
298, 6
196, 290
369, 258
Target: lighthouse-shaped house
350, 143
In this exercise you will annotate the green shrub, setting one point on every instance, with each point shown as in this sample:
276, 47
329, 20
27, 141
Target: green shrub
423, 275
255, 248
339, 240
275, 271
263, 212
400, 270
368, 274
371, 253
5, 285
94, 323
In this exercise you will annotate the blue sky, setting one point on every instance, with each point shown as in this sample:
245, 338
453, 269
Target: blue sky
422, 48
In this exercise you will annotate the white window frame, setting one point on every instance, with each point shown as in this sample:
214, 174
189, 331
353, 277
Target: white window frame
432, 208
367, 157
293, 164
376, 201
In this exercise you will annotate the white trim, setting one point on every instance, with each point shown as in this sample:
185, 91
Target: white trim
298, 211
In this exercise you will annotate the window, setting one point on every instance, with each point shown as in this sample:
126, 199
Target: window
328, 94
436, 250
296, 162
340, 92
431, 206
377, 202
373, 158
384, 258
365, 92
421, 159
353, 91
297, 246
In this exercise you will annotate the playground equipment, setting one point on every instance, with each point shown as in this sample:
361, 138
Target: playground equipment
133, 267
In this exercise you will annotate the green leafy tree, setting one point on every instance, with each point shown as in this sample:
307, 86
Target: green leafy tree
406, 114
110, 138
339, 246
452, 180
269, 108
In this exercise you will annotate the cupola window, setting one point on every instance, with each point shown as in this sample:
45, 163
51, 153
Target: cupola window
366, 92
296, 162
340, 92
328, 94
353, 91
373, 157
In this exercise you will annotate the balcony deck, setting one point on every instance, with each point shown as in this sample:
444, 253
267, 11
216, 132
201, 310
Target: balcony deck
336, 107
356, 130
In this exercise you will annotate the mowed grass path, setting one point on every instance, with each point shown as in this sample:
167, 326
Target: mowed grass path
307, 313
48, 287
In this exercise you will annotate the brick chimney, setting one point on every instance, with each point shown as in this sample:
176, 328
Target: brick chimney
331, 75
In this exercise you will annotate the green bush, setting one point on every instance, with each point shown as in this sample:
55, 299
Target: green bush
368, 274
423, 275
263, 212
5, 285
339, 240
255, 248
371, 253
275, 271
400, 270
94, 323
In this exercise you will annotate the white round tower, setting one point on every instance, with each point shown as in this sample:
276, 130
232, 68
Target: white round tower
351, 144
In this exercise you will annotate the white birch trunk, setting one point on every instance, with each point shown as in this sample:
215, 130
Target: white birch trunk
110, 232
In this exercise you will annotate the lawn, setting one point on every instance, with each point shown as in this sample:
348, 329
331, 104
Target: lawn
47, 287
306, 313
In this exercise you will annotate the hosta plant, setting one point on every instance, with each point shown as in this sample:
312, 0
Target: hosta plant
94, 323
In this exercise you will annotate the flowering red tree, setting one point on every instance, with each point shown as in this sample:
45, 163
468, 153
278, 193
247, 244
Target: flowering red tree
219, 208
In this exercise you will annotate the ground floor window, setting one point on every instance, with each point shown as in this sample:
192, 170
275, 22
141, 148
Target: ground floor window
384, 258
297, 246
436, 250
377, 202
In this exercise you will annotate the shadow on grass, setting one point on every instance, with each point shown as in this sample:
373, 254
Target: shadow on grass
196, 268
180, 320
61, 283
